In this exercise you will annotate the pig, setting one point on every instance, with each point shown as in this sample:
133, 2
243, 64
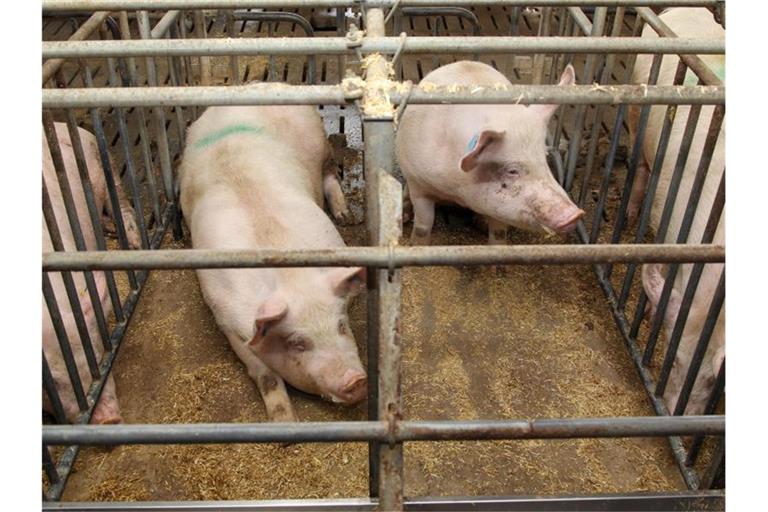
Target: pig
488, 158
253, 178
107, 409
697, 23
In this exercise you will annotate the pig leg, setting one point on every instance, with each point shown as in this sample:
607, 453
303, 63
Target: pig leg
407, 205
270, 384
642, 172
333, 193
653, 283
107, 411
423, 218
128, 215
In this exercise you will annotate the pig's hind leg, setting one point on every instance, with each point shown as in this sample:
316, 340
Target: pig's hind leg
334, 196
126, 212
642, 172
423, 218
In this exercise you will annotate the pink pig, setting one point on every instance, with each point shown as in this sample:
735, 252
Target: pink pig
252, 178
488, 158
107, 410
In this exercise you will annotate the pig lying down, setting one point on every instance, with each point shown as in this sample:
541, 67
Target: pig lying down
252, 178
107, 409
488, 158
696, 23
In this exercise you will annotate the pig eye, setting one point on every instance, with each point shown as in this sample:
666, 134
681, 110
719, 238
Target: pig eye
513, 171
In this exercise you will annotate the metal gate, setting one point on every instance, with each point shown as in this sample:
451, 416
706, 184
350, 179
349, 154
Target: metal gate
138, 95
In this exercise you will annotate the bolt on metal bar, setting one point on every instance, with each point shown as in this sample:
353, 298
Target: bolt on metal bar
85, 31
49, 386
117, 5
701, 347
278, 94
147, 47
384, 257
161, 136
356, 431
109, 179
714, 399
64, 345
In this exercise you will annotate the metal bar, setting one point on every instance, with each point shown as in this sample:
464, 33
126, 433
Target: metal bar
716, 467
50, 67
49, 386
117, 5
580, 19
384, 257
109, 178
714, 399
538, 59
64, 345
67, 459
161, 27
234, 65
692, 61
161, 136
356, 431
49, 467
379, 44
608, 169
701, 347
667, 501
279, 94
202, 35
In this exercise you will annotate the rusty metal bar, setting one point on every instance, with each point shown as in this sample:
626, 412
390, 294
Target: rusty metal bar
379, 44
356, 431
280, 94
384, 257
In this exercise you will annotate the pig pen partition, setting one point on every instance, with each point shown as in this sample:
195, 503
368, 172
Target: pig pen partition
136, 78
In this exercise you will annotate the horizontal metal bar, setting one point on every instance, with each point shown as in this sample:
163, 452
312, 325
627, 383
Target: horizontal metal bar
355, 431
388, 45
84, 32
647, 501
279, 94
385, 257
119, 5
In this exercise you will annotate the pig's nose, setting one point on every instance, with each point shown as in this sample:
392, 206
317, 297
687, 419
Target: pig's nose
568, 222
355, 386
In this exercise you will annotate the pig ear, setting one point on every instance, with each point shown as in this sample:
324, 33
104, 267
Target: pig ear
478, 148
269, 313
567, 78
347, 281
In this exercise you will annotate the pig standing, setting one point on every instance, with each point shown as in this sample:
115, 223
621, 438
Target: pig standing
488, 158
698, 23
107, 410
252, 178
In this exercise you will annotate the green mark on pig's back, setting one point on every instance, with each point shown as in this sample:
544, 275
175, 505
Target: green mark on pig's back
233, 129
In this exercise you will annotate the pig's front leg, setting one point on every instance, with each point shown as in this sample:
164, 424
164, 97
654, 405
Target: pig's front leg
333, 193
270, 384
423, 218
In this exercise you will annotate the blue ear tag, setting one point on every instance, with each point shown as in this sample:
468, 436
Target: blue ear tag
473, 142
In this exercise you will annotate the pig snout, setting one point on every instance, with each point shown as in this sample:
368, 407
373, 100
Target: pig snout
566, 222
353, 389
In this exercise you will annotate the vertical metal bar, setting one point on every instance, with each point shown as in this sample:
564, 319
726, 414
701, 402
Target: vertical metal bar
95, 214
58, 245
589, 68
653, 180
205, 62
49, 467
607, 174
514, 22
125, 139
234, 66
716, 468
341, 29
49, 385
174, 69
66, 349
701, 347
538, 59
661, 233
106, 164
714, 399
161, 137
599, 111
